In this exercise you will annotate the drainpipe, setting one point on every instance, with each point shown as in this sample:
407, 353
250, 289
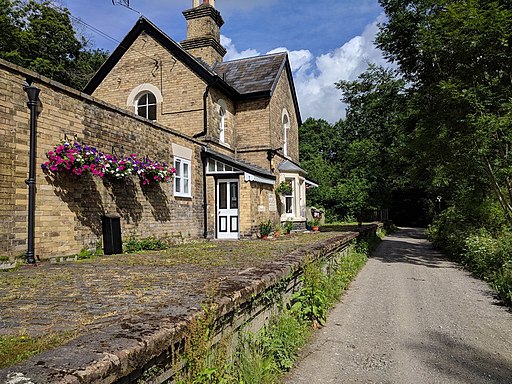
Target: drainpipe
203, 154
205, 109
33, 95
204, 159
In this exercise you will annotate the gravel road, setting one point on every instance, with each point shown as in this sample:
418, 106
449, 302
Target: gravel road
411, 316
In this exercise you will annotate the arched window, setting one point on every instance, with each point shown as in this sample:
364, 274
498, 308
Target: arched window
145, 106
221, 108
286, 127
222, 122
143, 99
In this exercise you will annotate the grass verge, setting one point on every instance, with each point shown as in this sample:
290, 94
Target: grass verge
14, 349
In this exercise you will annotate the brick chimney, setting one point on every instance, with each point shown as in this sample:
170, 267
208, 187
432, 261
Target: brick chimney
203, 32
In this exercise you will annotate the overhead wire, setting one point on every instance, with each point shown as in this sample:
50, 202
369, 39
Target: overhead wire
100, 32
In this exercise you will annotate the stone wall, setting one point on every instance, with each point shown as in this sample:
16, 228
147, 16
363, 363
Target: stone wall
148, 62
143, 349
282, 99
69, 209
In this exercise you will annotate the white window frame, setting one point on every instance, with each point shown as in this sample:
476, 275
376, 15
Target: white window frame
222, 124
222, 109
285, 120
140, 90
146, 106
180, 181
290, 196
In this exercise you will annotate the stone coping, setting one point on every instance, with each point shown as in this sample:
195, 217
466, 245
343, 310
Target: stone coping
109, 352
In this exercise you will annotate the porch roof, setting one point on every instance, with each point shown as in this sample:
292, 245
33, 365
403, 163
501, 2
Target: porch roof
289, 166
240, 165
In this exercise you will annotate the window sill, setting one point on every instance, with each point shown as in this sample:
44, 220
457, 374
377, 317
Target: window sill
183, 197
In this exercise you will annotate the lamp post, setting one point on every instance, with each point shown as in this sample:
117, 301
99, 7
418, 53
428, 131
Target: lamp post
33, 95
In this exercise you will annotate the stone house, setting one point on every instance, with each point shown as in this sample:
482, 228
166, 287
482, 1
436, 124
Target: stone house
229, 128
244, 111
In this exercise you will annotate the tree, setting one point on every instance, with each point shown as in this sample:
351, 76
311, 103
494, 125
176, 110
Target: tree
41, 37
457, 58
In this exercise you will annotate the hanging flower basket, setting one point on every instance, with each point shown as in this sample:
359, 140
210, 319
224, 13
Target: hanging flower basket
77, 159
284, 188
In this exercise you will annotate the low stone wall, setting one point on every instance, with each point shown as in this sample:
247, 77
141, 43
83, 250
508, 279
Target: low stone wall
138, 347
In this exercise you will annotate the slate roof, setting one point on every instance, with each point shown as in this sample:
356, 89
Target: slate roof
241, 79
252, 75
288, 166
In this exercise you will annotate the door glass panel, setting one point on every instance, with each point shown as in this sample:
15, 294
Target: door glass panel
223, 195
234, 196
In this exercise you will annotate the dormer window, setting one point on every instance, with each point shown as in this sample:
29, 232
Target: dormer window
146, 106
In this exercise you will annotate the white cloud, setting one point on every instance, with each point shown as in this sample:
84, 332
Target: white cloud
315, 76
232, 52
317, 94
300, 60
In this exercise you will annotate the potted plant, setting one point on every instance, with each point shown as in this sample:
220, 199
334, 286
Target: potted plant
284, 188
315, 225
277, 230
288, 226
265, 229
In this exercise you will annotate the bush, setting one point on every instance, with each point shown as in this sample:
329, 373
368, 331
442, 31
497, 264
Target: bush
476, 235
132, 245
481, 253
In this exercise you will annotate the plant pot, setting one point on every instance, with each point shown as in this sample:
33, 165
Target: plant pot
277, 234
315, 228
264, 237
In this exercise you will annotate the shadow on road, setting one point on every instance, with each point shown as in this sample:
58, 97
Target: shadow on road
463, 362
410, 245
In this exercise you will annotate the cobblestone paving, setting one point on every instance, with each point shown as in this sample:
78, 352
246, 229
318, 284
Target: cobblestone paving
90, 294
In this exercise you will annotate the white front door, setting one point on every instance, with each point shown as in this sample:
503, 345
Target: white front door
227, 209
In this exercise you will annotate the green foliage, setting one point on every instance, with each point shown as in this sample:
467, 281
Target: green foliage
284, 188
360, 161
87, 253
478, 239
14, 349
261, 358
310, 302
282, 338
204, 362
288, 226
320, 290
133, 245
456, 56
253, 364
39, 36
265, 228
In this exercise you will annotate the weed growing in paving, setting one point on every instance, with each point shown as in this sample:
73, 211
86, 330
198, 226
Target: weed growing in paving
133, 245
14, 349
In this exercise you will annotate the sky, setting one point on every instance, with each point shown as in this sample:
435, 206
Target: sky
326, 40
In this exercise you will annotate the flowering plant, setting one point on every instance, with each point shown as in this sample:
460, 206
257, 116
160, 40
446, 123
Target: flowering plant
78, 159
73, 158
151, 171
117, 168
